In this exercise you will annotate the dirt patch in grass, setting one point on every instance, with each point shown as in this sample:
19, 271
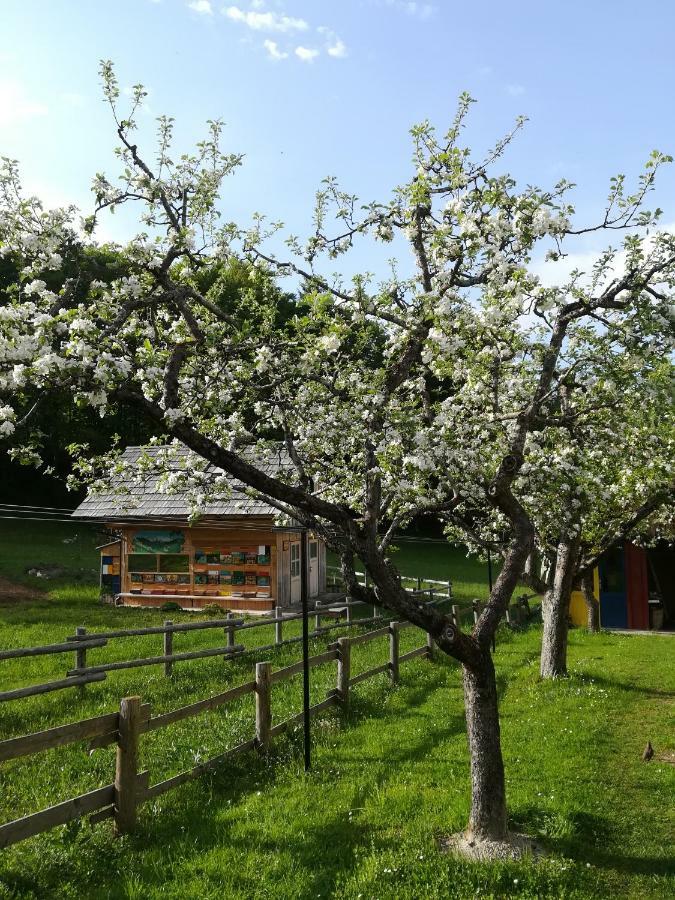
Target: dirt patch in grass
516, 846
13, 593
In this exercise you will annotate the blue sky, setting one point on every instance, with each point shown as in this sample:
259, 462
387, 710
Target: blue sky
315, 88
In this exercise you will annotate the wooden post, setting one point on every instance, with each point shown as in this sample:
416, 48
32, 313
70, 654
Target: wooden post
126, 769
263, 705
474, 606
168, 649
229, 630
508, 615
419, 584
430, 647
317, 617
393, 651
455, 617
80, 655
343, 670
278, 619
349, 611
449, 589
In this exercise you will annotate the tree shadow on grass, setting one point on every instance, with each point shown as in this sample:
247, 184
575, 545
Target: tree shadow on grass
587, 838
196, 815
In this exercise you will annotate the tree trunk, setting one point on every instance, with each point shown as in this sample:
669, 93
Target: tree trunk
555, 610
488, 818
592, 605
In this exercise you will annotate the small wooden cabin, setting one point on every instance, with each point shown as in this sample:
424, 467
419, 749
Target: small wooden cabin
233, 557
635, 587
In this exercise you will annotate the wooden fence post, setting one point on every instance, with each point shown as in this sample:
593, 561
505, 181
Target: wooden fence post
126, 768
343, 670
229, 630
430, 647
508, 615
278, 618
349, 611
317, 618
168, 649
263, 705
455, 617
393, 652
474, 606
449, 589
80, 655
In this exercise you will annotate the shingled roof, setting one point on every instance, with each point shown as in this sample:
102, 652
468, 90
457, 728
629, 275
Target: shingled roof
146, 502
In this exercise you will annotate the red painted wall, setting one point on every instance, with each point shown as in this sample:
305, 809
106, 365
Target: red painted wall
636, 587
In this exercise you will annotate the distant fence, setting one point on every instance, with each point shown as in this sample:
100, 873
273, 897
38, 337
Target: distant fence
419, 585
131, 787
82, 642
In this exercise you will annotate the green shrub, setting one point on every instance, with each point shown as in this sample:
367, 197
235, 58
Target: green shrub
171, 606
213, 609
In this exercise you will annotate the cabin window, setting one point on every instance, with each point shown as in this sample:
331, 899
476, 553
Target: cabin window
295, 560
142, 562
174, 562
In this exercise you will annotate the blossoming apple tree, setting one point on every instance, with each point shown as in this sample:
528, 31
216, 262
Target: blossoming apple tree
415, 392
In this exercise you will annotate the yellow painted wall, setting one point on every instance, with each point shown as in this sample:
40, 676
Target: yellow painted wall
578, 607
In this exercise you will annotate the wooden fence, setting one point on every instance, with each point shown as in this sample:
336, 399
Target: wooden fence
131, 788
339, 611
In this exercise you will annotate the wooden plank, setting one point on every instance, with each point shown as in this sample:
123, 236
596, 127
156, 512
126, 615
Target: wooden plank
51, 648
159, 629
370, 635
282, 726
58, 736
159, 660
411, 654
289, 671
194, 709
370, 673
20, 829
35, 689
176, 780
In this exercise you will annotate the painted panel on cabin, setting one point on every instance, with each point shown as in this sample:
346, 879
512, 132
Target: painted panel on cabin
637, 587
578, 613
613, 605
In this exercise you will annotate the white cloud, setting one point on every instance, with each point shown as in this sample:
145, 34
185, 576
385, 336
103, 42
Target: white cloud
335, 47
515, 90
273, 50
203, 7
338, 50
16, 106
265, 21
306, 54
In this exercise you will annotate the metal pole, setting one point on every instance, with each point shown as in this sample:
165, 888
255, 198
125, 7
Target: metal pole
305, 647
489, 562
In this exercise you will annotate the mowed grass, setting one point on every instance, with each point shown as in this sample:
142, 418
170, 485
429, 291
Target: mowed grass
389, 778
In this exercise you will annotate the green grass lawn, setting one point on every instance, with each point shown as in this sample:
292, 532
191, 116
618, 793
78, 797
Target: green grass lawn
388, 779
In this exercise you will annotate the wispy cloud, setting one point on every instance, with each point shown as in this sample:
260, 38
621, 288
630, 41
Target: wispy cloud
203, 7
265, 21
514, 90
16, 106
411, 7
306, 54
273, 50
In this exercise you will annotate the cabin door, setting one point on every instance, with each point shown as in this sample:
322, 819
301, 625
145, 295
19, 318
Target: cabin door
313, 568
295, 572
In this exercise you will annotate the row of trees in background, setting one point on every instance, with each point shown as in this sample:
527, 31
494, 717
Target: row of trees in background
459, 387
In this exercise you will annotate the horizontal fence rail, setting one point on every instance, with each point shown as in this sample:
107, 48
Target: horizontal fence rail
131, 787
